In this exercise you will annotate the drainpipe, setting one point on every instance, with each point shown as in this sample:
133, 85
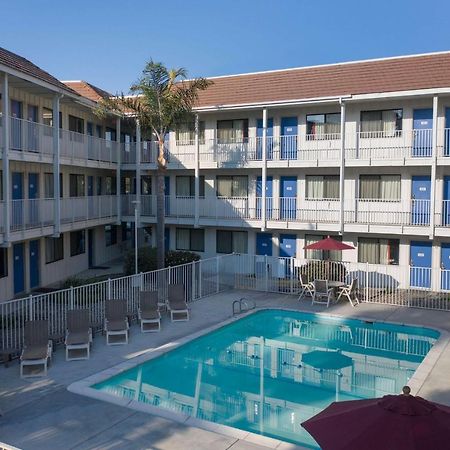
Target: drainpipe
56, 166
196, 174
433, 168
119, 157
264, 171
5, 158
342, 169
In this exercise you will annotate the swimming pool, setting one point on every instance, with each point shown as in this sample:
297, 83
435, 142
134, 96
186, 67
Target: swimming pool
273, 369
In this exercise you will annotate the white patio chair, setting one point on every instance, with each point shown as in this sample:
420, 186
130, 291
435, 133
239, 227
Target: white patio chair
307, 288
350, 291
322, 293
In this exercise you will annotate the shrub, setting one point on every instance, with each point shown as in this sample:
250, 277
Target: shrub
324, 270
147, 259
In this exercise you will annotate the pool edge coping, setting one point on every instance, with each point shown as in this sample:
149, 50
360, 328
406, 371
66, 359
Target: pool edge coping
84, 386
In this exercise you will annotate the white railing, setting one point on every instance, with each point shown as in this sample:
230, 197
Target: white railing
443, 217
201, 278
31, 213
77, 209
31, 137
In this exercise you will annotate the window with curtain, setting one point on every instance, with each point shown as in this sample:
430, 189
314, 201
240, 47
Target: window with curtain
191, 239
77, 242
128, 185
322, 187
76, 188
146, 185
320, 125
378, 251
380, 187
334, 255
185, 186
232, 131
185, 133
54, 249
232, 186
231, 241
49, 191
3, 262
387, 121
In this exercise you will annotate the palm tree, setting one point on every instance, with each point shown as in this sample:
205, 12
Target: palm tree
161, 100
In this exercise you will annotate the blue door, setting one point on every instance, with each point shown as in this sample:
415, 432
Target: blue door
447, 133
17, 203
288, 245
259, 133
289, 127
167, 195
445, 266
18, 266
90, 193
264, 244
420, 197
167, 239
423, 124
33, 195
269, 194
288, 200
446, 202
34, 263
16, 125
420, 271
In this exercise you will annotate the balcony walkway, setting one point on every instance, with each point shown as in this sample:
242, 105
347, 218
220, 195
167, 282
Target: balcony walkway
42, 414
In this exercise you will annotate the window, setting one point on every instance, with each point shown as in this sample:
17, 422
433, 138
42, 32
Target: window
128, 185
110, 134
231, 131
99, 131
127, 231
47, 117
76, 188
379, 187
76, 124
110, 235
110, 186
54, 249
190, 239
49, 189
232, 186
322, 125
231, 241
185, 186
185, 134
77, 242
322, 187
387, 121
378, 251
99, 186
333, 255
146, 185
3, 262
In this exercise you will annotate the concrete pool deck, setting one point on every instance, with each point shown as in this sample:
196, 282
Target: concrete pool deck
42, 414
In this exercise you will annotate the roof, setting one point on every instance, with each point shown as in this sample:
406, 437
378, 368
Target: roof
23, 65
364, 77
87, 90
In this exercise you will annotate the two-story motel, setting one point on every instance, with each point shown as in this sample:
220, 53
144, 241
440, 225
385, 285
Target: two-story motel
274, 161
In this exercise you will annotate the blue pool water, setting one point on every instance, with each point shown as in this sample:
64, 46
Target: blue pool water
253, 375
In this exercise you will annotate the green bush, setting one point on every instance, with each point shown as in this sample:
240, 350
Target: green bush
324, 270
147, 259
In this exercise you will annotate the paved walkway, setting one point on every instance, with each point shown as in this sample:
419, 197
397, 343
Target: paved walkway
42, 414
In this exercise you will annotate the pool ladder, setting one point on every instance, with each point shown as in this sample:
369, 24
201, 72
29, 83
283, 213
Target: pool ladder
243, 305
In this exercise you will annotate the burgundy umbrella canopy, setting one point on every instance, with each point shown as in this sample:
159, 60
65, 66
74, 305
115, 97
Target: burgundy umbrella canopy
329, 244
394, 422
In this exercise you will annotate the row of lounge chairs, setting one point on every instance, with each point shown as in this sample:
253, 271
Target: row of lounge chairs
38, 348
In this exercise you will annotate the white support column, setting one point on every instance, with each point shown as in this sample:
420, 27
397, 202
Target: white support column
56, 167
264, 171
119, 156
342, 169
433, 167
197, 174
138, 169
5, 158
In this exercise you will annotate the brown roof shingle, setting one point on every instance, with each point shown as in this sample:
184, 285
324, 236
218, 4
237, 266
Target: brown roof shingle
365, 77
23, 65
87, 90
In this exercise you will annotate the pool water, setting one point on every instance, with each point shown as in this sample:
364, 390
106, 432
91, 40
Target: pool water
253, 373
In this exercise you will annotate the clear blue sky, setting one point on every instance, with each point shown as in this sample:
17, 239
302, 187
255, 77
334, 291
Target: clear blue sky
107, 42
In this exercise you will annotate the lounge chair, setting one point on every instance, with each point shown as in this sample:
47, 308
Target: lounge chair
116, 321
307, 288
179, 311
148, 313
78, 335
322, 293
37, 348
351, 292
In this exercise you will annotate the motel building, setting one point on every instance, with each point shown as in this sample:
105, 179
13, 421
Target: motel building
359, 151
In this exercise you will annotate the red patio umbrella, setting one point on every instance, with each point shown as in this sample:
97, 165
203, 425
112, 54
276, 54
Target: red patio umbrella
394, 422
329, 244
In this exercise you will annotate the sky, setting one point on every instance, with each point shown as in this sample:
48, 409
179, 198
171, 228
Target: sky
107, 42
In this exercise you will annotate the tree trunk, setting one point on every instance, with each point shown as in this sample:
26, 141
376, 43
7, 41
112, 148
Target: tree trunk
160, 207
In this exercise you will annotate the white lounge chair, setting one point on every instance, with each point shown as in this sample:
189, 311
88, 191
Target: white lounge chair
322, 293
307, 288
351, 292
